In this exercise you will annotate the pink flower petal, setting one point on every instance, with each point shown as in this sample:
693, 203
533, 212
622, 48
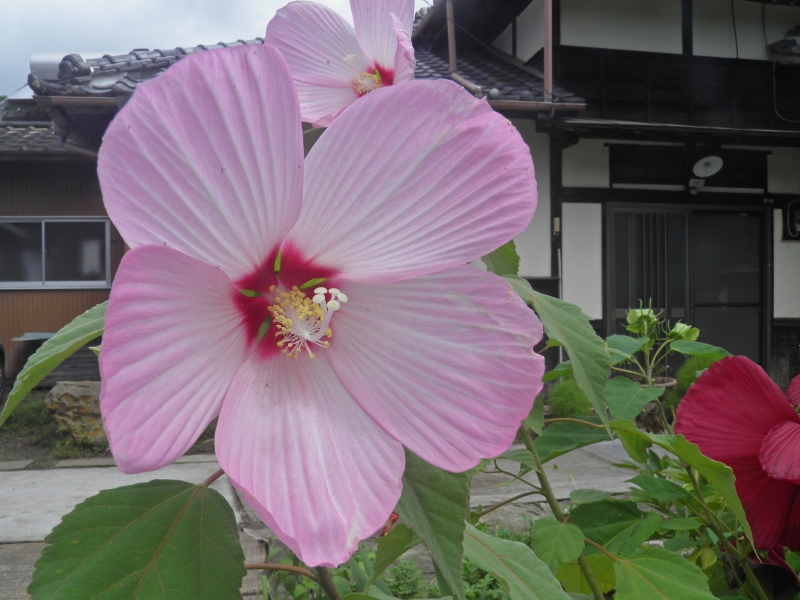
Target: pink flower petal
731, 409
375, 29
780, 453
324, 55
323, 474
173, 342
767, 502
208, 158
443, 362
791, 537
413, 179
321, 105
404, 61
793, 392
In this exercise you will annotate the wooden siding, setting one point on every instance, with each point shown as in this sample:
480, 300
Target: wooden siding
39, 311
48, 189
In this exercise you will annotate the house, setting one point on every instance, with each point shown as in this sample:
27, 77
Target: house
680, 179
666, 141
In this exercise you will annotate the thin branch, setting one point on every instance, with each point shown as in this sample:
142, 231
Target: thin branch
325, 581
213, 478
510, 474
586, 569
599, 547
277, 567
571, 420
504, 502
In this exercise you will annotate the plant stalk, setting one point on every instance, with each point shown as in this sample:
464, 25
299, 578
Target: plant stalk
557, 512
725, 542
277, 567
325, 581
504, 502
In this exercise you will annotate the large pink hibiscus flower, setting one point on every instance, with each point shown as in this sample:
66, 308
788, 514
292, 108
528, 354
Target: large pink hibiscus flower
203, 174
333, 65
737, 415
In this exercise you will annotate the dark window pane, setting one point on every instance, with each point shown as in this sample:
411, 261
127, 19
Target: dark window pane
676, 263
20, 252
75, 251
726, 258
738, 330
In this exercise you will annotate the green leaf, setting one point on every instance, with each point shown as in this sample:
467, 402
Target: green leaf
566, 323
520, 573
564, 436
504, 260
82, 330
699, 349
571, 576
662, 490
658, 574
626, 399
618, 525
435, 504
683, 524
587, 496
623, 347
391, 547
522, 456
535, 420
563, 369
96, 350
718, 475
160, 539
556, 543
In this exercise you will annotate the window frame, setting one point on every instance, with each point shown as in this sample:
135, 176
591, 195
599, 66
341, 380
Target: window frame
61, 285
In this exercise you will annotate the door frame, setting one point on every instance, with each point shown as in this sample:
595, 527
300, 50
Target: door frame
765, 212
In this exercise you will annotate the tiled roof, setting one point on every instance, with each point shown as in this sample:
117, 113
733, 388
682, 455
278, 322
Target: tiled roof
29, 139
117, 76
499, 79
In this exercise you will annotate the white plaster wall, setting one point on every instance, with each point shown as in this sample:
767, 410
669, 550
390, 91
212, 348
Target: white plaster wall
783, 171
533, 244
646, 25
503, 41
582, 257
585, 165
530, 30
712, 25
787, 274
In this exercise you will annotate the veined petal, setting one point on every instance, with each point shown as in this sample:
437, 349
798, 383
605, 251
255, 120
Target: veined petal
793, 392
443, 362
319, 45
321, 105
767, 502
172, 344
404, 61
780, 452
731, 408
208, 159
413, 179
323, 474
375, 29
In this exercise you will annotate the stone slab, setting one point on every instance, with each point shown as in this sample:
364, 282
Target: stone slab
197, 458
16, 569
73, 463
32, 502
14, 465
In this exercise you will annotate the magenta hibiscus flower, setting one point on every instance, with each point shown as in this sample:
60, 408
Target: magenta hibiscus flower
332, 65
737, 415
203, 174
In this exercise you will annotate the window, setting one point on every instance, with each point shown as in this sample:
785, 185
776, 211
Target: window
54, 253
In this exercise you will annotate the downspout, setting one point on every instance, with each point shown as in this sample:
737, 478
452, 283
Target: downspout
473, 88
548, 50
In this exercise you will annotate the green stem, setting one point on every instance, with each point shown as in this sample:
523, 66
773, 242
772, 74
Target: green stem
725, 542
325, 581
277, 567
213, 478
517, 477
503, 503
642, 374
557, 512
571, 420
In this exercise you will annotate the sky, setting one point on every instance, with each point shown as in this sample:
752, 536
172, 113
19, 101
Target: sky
118, 26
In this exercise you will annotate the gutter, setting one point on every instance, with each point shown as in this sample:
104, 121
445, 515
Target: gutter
74, 101
521, 105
